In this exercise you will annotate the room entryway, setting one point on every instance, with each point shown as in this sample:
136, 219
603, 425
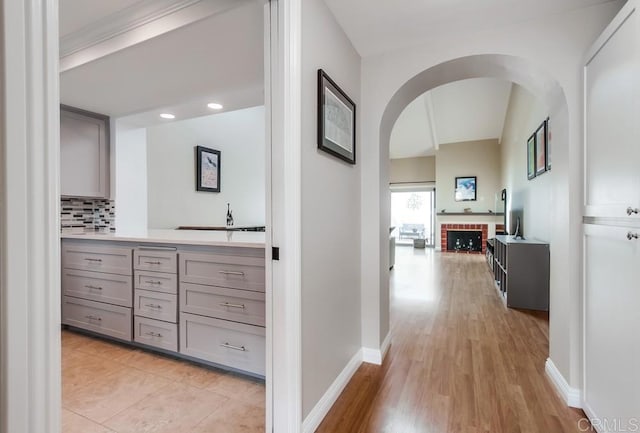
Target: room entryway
460, 360
413, 217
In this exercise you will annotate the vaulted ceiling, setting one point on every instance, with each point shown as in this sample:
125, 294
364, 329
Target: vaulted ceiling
379, 26
465, 110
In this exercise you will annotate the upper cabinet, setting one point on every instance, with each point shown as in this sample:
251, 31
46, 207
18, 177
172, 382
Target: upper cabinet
84, 153
612, 125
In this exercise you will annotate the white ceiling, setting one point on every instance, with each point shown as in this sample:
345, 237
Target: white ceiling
378, 26
219, 58
465, 110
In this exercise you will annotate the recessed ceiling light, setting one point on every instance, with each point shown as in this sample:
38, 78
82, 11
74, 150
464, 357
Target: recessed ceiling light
167, 116
215, 106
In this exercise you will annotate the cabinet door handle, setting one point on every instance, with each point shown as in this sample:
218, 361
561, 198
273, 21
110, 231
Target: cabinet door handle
154, 282
232, 273
92, 260
154, 306
227, 304
154, 263
153, 334
99, 319
93, 287
631, 211
632, 236
230, 346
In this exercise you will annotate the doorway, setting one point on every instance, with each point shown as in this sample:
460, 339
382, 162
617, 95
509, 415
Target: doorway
413, 216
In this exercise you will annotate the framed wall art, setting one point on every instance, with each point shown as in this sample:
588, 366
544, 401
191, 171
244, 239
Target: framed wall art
336, 120
531, 157
541, 148
207, 169
466, 188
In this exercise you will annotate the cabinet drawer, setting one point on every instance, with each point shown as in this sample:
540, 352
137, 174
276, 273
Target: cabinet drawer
156, 281
155, 305
155, 259
155, 333
236, 272
106, 319
230, 304
97, 286
96, 258
227, 343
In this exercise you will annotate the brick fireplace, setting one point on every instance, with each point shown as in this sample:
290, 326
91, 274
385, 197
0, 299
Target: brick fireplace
445, 228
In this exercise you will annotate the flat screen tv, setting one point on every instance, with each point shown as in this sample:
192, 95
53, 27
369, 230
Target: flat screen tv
515, 223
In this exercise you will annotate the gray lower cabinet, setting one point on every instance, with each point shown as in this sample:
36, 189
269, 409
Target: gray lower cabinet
111, 320
156, 333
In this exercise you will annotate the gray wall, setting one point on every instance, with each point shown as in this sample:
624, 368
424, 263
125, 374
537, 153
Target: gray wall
330, 216
408, 170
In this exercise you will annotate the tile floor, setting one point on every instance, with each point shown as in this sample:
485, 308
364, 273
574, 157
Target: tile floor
112, 388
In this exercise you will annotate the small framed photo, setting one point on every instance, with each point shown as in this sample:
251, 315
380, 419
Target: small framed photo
541, 148
336, 120
466, 188
207, 169
531, 157
548, 144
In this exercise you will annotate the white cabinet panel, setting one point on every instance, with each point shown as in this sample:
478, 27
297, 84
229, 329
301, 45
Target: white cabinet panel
84, 153
612, 323
612, 107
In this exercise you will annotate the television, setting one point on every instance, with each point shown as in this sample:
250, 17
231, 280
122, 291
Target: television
514, 225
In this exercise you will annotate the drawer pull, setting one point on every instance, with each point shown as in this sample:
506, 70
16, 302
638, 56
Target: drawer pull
230, 346
154, 263
154, 282
93, 260
99, 319
232, 273
153, 334
93, 287
154, 306
227, 304
631, 211
632, 236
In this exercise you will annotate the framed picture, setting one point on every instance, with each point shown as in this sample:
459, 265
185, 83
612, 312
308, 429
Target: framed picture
207, 169
336, 120
531, 157
548, 142
466, 188
541, 148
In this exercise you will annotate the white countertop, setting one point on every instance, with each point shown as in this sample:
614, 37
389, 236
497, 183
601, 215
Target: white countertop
182, 237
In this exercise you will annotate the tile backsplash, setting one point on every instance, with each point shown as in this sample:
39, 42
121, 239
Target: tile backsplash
88, 214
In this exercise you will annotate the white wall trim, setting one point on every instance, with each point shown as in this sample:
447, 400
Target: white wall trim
30, 389
376, 356
571, 396
324, 405
133, 25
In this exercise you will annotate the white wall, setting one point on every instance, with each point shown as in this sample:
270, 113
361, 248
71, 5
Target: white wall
534, 197
470, 158
330, 215
556, 53
173, 199
410, 170
129, 154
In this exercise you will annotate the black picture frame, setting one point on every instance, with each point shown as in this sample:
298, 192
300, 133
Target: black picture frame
336, 120
541, 148
466, 188
208, 175
548, 144
531, 157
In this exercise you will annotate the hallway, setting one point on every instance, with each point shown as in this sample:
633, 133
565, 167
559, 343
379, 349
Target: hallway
459, 361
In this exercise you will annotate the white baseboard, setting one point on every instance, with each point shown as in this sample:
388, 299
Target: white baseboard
375, 356
571, 396
317, 414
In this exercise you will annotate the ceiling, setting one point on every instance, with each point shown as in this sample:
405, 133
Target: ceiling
461, 111
216, 59
376, 27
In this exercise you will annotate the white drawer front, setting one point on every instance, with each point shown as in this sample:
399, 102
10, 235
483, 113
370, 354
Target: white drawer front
156, 281
236, 272
155, 259
155, 333
96, 258
227, 343
106, 319
231, 304
155, 305
98, 286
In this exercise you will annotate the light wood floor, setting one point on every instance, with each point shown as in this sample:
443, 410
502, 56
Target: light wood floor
460, 362
108, 387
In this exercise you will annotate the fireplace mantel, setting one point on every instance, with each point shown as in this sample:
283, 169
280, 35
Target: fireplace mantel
470, 214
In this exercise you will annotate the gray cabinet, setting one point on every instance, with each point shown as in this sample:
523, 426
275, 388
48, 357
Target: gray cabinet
521, 271
84, 153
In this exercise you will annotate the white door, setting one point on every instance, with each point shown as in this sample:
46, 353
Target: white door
612, 326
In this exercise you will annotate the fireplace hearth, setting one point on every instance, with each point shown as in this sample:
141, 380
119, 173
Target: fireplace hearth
464, 240
477, 244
